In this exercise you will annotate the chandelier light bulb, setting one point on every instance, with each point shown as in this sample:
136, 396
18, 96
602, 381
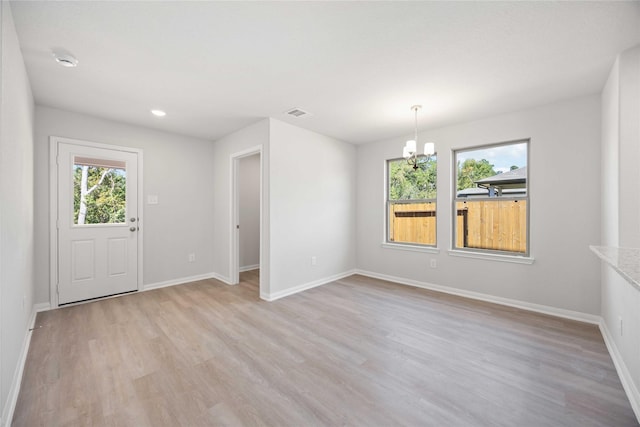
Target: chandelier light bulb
411, 146
429, 149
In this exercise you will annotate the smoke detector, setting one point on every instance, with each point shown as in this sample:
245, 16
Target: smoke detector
65, 59
297, 112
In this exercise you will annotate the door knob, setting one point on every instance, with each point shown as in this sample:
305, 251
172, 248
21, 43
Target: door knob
132, 228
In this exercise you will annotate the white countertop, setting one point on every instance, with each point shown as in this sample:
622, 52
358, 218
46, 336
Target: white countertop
625, 261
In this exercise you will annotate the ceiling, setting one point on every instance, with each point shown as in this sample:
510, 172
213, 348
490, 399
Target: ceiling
357, 67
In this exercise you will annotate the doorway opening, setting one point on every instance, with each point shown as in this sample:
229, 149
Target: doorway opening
246, 217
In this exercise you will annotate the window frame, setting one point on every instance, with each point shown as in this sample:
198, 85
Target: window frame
387, 204
509, 256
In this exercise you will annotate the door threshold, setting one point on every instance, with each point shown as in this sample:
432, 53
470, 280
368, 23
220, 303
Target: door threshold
85, 301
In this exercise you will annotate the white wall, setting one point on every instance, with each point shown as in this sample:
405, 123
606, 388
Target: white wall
313, 205
176, 168
621, 213
308, 205
249, 206
254, 135
16, 211
629, 146
610, 156
564, 168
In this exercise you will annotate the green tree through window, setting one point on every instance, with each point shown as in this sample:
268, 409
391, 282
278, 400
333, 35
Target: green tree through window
99, 195
406, 183
472, 170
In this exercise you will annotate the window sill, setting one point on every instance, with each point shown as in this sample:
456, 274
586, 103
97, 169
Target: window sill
411, 248
493, 257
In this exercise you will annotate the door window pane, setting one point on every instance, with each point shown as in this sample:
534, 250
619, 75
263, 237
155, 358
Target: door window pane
99, 191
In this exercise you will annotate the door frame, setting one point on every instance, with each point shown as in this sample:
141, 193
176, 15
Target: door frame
234, 215
54, 141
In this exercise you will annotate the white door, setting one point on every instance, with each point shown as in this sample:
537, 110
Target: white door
97, 222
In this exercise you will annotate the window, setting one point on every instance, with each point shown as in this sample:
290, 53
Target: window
411, 201
99, 191
491, 211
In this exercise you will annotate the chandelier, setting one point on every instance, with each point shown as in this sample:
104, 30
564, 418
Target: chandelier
409, 152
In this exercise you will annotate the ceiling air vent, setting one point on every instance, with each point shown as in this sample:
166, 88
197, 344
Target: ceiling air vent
296, 112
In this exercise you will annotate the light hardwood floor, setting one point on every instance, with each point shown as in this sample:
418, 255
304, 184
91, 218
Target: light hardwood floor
357, 351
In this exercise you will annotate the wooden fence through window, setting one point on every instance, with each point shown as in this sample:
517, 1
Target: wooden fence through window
485, 224
413, 223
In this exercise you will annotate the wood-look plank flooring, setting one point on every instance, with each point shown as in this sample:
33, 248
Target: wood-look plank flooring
358, 351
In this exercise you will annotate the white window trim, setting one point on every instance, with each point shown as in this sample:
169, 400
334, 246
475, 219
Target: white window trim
515, 259
410, 247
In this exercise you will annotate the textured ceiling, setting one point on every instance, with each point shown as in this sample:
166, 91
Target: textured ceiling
216, 67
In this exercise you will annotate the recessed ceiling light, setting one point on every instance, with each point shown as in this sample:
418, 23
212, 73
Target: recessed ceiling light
158, 113
66, 60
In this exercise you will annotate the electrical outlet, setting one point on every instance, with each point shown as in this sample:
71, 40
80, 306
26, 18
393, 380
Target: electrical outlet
434, 263
314, 260
192, 257
620, 324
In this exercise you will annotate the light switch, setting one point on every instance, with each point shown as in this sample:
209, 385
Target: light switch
152, 199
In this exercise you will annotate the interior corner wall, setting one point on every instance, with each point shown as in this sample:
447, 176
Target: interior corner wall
610, 157
629, 146
254, 135
16, 212
564, 182
313, 205
176, 168
621, 215
249, 207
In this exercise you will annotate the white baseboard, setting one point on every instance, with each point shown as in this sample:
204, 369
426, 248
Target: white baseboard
625, 376
249, 268
538, 308
43, 306
12, 398
179, 281
223, 279
294, 290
